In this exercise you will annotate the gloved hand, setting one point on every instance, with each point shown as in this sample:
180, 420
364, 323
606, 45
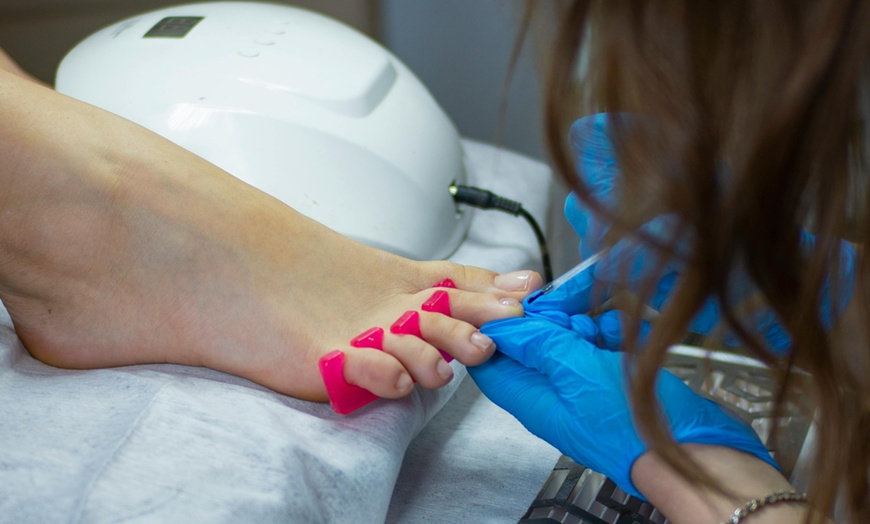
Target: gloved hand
563, 388
597, 167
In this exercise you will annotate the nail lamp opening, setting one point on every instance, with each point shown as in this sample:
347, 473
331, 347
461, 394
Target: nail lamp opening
295, 104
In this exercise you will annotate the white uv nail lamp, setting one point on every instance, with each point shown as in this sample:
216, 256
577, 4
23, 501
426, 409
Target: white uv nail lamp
294, 103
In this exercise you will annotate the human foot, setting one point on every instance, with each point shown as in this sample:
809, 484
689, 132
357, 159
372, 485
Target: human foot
120, 248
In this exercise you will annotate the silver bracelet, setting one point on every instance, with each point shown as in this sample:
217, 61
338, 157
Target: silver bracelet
756, 504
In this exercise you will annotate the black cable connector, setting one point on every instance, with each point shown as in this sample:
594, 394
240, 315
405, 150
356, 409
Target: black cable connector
485, 199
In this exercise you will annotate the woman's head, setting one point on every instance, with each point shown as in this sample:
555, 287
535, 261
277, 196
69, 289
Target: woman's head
758, 131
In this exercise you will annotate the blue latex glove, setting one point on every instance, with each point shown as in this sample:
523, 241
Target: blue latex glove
566, 390
596, 161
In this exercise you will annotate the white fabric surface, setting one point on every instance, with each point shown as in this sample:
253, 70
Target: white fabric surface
472, 463
166, 443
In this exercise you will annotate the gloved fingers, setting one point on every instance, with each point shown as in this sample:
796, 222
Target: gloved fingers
604, 330
840, 282
523, 392
598, 171
705, 322
636, 258
708, 320
695, 419
577, 295
593, 149
542, 345
716, 426
584, 326
631, 261
590, 226
609, 329
555, 316
587, 327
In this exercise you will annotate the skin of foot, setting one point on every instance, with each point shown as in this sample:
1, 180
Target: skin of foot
118, 247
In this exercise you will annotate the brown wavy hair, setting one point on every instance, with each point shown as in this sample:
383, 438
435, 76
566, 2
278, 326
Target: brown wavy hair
777, 90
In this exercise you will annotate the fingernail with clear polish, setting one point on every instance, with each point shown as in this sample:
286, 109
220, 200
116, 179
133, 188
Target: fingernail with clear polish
515, 281
404, 382
481, 341
444, 370
509, 302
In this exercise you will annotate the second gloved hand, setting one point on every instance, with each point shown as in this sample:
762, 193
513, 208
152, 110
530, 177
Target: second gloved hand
634, 260
573, 394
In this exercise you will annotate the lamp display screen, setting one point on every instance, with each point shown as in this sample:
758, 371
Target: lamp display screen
173, 27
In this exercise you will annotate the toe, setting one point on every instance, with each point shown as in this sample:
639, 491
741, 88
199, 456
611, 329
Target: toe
460, 339
378, 372
420, 358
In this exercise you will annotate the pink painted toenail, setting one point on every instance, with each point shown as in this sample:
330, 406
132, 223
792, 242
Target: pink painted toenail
343, 397
407, 324
446, 283
439, 302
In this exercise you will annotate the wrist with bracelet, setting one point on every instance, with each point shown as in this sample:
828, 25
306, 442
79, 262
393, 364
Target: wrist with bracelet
742, 513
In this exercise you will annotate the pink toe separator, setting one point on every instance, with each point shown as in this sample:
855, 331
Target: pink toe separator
446, 283
344, 397
371, 338
439, 302
409, 324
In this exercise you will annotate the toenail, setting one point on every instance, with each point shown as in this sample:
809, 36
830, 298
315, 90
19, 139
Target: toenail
515, 281
481, 341
404, 382
509, 302
444, 370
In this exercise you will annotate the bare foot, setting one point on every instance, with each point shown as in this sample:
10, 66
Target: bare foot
118, 247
